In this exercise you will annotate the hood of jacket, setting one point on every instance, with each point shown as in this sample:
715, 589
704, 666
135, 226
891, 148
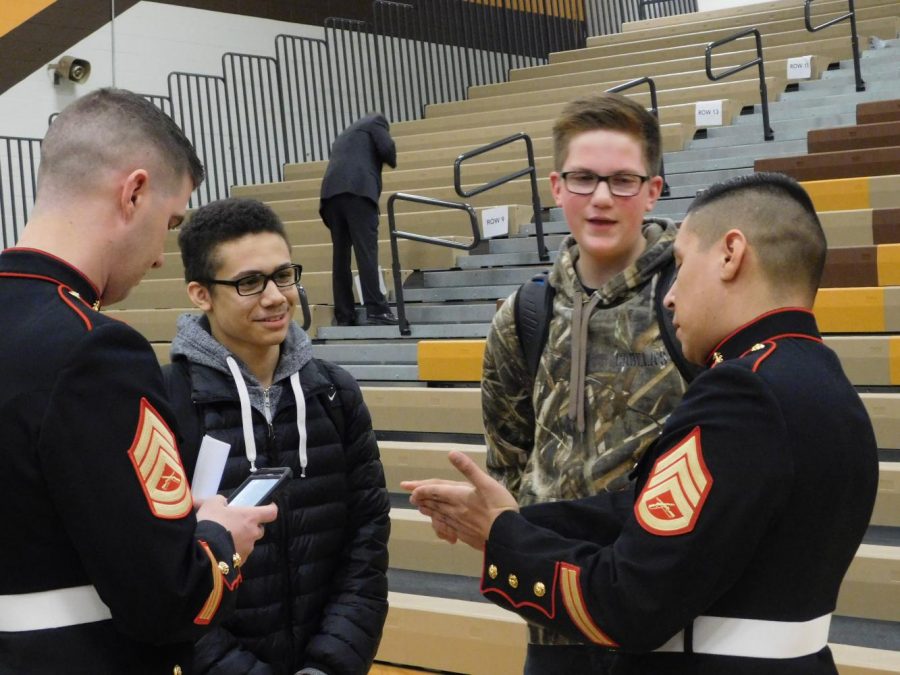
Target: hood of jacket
194, 342
659, 234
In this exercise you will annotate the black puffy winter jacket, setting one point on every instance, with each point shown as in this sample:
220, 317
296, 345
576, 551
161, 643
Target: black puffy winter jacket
315, 588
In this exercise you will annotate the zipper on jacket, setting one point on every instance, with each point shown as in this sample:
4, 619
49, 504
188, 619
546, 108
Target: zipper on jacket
267, 414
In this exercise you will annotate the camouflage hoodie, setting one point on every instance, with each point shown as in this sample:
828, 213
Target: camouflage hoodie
604, 386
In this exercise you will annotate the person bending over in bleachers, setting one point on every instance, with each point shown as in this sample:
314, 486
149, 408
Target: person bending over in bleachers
315, 593
605, 381
348, 206
749, 508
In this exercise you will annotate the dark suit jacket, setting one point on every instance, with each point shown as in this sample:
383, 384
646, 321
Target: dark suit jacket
357, 157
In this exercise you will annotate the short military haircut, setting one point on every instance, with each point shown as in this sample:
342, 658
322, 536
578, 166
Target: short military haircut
112, 129
778, 218
611, 112
217, 223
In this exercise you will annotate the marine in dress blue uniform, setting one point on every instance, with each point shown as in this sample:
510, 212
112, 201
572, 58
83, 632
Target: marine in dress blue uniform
106, 569
748, 509
748, 512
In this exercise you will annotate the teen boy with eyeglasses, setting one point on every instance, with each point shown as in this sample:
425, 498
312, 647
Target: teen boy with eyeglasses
605, 382
315, 593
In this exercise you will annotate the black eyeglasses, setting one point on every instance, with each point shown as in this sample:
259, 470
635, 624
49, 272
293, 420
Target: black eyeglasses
620, 184
254, 284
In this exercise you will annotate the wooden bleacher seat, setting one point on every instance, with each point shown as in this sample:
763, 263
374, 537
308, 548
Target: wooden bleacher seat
878, 135
702, 32
875, 161
878, 111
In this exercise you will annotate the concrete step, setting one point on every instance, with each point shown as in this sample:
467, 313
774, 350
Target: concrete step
687, 161
443, 294
555, 227
368, 372
678, 179
418, 331
753, 149
479, 277
718, 141
503, 260
375, 353
825, 101
526, 243
459, 312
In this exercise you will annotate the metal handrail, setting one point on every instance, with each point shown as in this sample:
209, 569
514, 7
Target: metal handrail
654, 110
437, 241
768, 134
530, 170
854, 37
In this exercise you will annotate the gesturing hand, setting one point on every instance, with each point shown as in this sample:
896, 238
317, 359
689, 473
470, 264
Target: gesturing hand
461, 510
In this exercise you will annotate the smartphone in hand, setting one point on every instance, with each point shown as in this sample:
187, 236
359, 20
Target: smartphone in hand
260, 486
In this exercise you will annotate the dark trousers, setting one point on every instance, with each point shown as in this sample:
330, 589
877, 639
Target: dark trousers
567, 660
353, 221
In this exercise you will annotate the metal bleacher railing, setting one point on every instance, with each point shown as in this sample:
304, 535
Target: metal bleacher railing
854, 35
263, 112
654, 109
436, 241
530, 170
768, 134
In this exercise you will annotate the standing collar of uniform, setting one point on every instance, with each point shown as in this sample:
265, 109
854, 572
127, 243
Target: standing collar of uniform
29, 262
779, 323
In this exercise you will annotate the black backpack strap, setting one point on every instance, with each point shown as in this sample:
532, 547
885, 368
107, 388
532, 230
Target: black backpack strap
533, 310
664, 282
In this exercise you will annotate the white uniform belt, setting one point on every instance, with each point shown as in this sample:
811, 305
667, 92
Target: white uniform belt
51, 609
754, 638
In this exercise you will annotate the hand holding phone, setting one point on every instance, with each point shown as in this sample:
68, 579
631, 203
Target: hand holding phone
260, 486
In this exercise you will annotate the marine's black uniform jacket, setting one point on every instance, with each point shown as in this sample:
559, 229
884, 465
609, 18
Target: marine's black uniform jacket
94, 493
751, 505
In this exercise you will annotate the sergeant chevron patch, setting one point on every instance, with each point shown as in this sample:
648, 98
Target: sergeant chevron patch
157, 462
674, 494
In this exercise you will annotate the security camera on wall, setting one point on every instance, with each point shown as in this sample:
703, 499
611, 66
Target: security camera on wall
70, 69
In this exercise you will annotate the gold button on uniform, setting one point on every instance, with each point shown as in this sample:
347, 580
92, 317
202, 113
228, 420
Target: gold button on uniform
236, 560
492, 571
540, 589
757, 347
176, 670
223, 568
513, 581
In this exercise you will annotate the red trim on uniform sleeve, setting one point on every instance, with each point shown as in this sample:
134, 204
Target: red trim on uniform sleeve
549, 613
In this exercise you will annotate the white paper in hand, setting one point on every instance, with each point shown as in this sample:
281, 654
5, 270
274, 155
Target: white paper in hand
210, 465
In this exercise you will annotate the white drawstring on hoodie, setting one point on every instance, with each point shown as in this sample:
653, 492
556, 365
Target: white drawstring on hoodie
247, 420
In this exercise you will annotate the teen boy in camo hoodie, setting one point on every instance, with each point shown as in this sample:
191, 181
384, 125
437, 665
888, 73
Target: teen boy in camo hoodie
605, 381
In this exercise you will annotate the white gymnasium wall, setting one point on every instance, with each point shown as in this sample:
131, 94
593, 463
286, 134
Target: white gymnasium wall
151, 40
